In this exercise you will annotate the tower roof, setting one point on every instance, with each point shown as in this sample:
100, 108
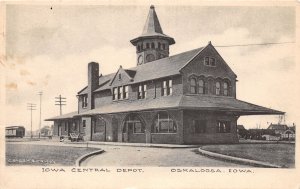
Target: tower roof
152, 29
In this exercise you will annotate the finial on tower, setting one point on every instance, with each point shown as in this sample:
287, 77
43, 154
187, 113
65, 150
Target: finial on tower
152, 7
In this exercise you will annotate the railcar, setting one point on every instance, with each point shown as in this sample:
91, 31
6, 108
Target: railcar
14, 131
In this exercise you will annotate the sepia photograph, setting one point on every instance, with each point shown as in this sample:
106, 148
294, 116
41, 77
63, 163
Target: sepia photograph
133, 89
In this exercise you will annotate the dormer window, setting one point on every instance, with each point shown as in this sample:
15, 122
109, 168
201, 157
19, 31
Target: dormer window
142, 91
120, 93
84, 101
167, 88
209, 61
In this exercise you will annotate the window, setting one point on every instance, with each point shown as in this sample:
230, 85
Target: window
164, 46
193, 86
115, 93
206, 61
120, 77
83, 123
223, 126
147, 46
66, 126
225, 89
164, 124
209, 61
74, 126
138, 48
159, 45
201, 86
133, 124
212, 62
218, 88
126, 92
142, 91
167, 88
99, 125
199, 126
120, 93
84, 101
152, 45
210, 86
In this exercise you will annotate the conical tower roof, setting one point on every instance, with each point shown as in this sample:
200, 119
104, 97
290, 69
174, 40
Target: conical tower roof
152, 29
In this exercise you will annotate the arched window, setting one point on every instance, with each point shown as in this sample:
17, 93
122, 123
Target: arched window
201, 86
152, 45
210, 86
147, 45
193, 86
226, 88
163, 123
133, 124
218, 88
159, 45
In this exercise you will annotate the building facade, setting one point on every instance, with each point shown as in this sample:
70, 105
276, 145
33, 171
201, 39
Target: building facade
188, 98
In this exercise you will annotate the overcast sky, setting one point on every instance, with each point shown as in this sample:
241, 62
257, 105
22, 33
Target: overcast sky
48, 49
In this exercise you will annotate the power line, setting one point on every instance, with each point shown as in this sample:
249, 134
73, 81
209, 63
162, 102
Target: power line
255, 44
60, 101
40, 94
31, 107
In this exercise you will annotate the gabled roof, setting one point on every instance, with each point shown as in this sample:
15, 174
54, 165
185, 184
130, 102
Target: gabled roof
168, 66
152, 28
278, 127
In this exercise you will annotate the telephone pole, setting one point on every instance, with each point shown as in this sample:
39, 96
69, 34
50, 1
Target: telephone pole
40, 94
31, 107
60, 101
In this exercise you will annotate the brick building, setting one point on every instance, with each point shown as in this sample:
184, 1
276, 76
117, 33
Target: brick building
186, 98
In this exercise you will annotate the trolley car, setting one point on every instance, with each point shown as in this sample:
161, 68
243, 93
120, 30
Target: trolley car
14, 131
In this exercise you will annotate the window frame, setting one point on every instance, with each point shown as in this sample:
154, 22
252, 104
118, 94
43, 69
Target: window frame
210, 61
201, 86
156, 124
222, 126
142, 91
218, 88
84, 102
193, 85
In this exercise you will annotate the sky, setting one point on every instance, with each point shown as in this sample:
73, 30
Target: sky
48, 49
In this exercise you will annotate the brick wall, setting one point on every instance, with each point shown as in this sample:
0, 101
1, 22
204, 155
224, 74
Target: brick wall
197, 68
210, 136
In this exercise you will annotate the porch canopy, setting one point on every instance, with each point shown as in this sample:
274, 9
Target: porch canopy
64, 116
192, 102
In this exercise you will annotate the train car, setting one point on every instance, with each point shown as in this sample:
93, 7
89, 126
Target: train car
14, 131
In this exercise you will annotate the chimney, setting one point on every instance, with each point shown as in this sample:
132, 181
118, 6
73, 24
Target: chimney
93, 83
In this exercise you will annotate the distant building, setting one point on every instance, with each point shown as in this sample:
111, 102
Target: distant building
285, 132
187, 98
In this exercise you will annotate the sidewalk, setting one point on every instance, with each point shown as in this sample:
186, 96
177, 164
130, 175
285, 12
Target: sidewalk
97, 144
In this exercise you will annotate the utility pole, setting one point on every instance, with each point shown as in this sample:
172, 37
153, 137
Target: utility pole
60, 101
40, 93
31, 107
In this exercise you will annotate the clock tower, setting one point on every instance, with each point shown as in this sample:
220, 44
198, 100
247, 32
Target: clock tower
153, 44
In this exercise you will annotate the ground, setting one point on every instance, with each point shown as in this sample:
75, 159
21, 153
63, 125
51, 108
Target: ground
278, 154
26, 154
158, 157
